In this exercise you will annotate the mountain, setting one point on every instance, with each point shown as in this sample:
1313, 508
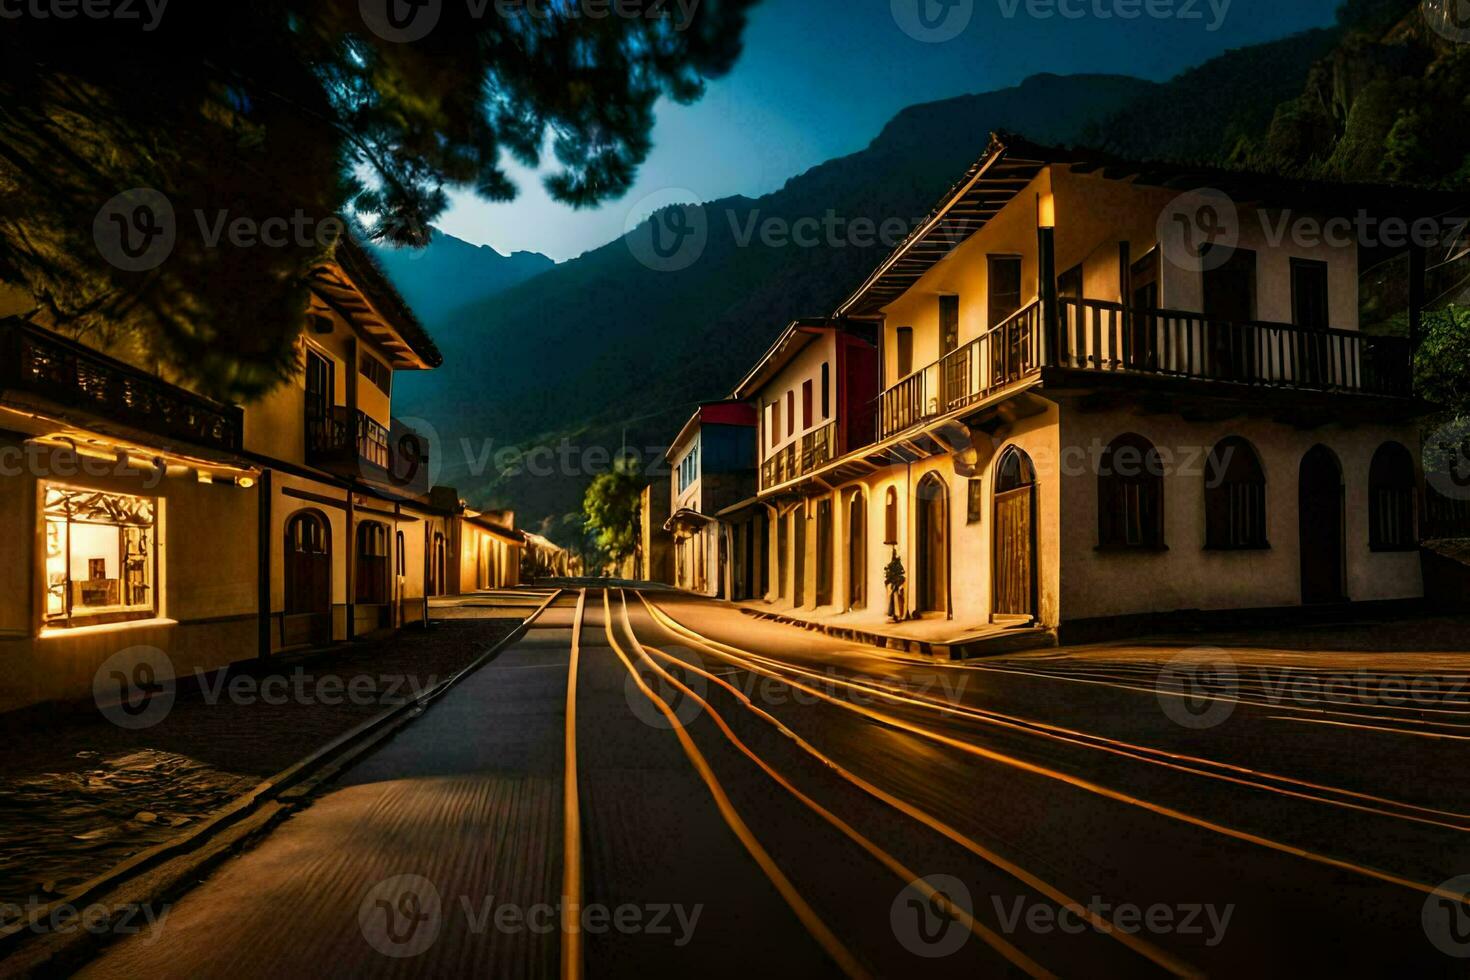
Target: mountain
448, 273
604, 339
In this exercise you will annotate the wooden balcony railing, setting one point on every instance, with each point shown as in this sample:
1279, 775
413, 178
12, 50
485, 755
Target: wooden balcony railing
1094, 335
1101, 336
806, 455
1006, 354
74, 376
354, 445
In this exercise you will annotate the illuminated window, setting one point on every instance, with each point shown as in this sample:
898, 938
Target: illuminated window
101, 557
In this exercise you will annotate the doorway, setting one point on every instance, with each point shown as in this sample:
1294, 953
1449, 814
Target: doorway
932, 537
1013, 542
308, 578
1320, 515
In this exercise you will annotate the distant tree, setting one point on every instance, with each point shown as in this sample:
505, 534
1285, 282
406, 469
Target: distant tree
611, 507
299, 111
1442, 362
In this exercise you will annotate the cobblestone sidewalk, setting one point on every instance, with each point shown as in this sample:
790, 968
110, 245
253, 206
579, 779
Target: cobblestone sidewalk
79, 794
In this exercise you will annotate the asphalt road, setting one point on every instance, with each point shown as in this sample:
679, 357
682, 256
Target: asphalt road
654, 785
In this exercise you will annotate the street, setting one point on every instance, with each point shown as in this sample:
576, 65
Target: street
651, 784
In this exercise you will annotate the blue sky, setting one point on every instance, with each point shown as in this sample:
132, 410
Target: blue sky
819, 78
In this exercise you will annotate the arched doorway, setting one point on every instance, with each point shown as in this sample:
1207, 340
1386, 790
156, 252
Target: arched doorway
1013, 536
308, 578
857, 551
372, 563
931, 535
1320, 515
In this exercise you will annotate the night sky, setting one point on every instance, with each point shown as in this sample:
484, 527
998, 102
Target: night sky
819, 78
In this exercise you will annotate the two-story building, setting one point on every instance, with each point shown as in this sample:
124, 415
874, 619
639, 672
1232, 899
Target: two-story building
815, 395
1108, 390
713, 469
147, 517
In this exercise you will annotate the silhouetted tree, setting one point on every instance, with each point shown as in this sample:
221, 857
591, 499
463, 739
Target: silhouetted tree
300, 110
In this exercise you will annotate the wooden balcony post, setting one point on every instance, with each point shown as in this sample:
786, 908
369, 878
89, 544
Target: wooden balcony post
1046, 291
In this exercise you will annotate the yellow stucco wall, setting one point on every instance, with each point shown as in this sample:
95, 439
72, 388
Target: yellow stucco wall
206, 582
1187, 576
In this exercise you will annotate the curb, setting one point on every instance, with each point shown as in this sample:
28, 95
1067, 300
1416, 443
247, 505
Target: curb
1010, 641
167, 870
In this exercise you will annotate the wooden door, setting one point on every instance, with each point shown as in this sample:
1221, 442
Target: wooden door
1014, 548
932, 535
1320, 510
308, 577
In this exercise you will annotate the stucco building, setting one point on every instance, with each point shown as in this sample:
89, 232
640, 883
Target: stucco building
1085, 390
145, 517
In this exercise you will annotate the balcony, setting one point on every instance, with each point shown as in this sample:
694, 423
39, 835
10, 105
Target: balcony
1005, 355
1100, 336
350, 444
1109, 338
796, 459
73, 376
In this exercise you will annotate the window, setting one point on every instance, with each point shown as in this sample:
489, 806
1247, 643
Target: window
905, 351
975, 501
826, 391
806, 404
890, 517
689, 468
790, 413
1230, 285
1235, 497
1309, 294
949, 324
378, 373
775, 426
101, 556
372, 563
1392, 488
400, 559
1004, 287
1130, 495
1143, 281
1069, 283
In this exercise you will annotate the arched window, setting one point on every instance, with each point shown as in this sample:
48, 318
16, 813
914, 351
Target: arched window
1235, 497
890, 517
372, 563
1391, 491
401, 555
1130, 494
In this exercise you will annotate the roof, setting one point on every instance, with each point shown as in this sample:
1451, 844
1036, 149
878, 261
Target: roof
727, 411
365, 296
489, 526
1011, 162
791, 342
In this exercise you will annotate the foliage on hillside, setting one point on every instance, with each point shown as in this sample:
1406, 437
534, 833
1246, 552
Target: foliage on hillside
630, 345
